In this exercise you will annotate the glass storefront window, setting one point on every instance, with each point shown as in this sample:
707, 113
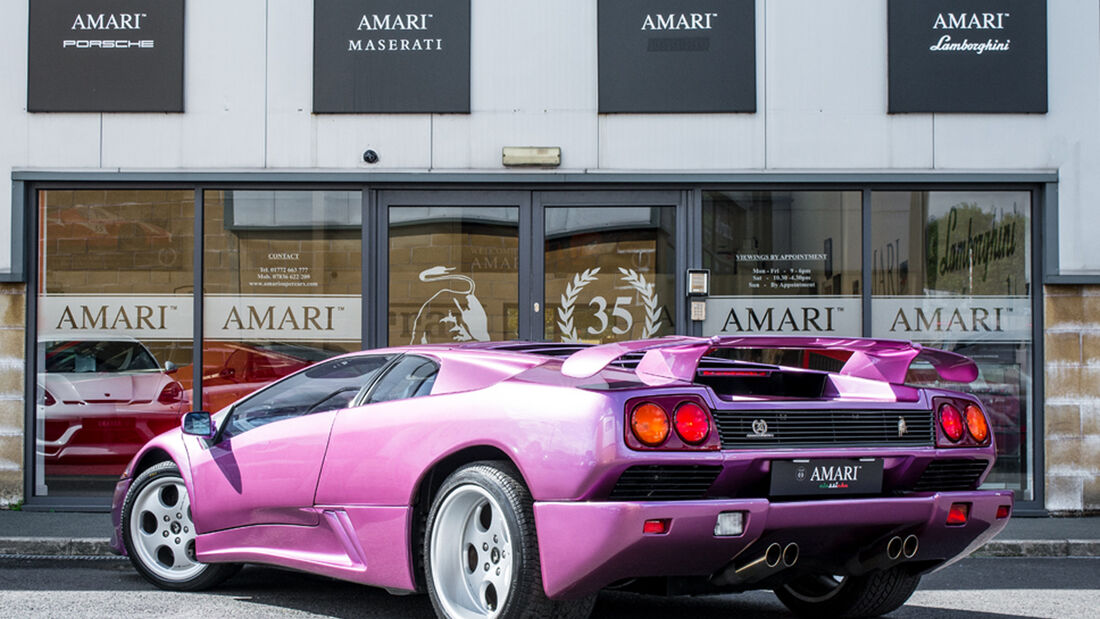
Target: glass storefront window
783, 262
283, 283
952, 270
114, 330
610, 273
454, 274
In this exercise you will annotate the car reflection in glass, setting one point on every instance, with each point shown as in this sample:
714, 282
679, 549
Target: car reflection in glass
100, 400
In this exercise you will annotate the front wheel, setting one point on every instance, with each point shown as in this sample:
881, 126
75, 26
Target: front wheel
869, 595
481, 555
159, 535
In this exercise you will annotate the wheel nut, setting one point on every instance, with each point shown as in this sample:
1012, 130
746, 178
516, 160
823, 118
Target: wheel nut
166, 517
166, 534
495, 540
486, 567
485, 546
186, 530
498, 571
179, 516
177, 540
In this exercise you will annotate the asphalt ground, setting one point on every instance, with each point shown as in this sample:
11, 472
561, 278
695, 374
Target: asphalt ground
976, 588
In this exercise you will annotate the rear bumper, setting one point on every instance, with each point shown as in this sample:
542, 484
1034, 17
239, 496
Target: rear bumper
585, 546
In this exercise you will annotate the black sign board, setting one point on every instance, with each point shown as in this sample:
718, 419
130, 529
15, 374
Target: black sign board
677, 56
825, 477
391, 56
105, 56
982, 56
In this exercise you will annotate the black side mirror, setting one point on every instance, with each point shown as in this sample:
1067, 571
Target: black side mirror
199, 423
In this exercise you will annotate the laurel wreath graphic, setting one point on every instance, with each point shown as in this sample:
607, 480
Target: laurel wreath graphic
565, 312
649, 300
635, 280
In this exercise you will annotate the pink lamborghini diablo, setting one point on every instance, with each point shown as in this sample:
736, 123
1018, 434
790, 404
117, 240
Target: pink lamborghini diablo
518, 479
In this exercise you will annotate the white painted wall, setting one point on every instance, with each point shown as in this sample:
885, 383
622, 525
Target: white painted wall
821, 100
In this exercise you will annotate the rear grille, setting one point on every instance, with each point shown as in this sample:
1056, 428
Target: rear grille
824, 428
951, 475
665, 483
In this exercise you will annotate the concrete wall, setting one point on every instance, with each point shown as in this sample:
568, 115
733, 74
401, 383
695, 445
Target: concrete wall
11, 392
822, 84
1073, 397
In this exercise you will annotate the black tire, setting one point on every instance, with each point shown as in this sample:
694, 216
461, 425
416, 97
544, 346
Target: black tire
160, 545
470, 497
869, 595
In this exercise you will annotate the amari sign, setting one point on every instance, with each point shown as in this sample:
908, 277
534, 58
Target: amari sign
391, 56
674, 56
105, 56
968, 56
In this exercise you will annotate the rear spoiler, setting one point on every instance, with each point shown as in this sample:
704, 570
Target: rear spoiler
675, 358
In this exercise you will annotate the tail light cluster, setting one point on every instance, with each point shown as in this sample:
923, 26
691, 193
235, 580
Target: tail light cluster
171, 394
670, 423
961, 423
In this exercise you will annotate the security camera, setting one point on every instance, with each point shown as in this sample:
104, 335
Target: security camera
370, 156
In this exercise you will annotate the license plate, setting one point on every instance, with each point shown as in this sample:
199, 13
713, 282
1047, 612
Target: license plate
830, 477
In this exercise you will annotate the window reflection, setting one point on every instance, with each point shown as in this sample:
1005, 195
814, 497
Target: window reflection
454, 274
282, 277
783, 262
114, 324
610, 273
950, 270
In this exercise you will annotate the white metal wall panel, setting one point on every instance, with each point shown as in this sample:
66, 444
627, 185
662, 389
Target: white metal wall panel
532, 83
826, 90
290, 127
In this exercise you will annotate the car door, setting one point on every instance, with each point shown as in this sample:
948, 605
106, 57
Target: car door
368, 441
263, 466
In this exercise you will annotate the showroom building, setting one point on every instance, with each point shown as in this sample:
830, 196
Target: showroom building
250, 187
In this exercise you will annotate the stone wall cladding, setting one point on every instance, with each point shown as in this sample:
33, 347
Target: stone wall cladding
12, 329
1072, 383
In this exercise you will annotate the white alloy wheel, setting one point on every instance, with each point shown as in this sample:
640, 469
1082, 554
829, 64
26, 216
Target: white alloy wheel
161, 531
472, 554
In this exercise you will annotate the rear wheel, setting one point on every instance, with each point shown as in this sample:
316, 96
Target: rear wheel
869, 595
481, 556
159, 535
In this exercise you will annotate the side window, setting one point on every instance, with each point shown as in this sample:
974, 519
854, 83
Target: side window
410, 377
326, 386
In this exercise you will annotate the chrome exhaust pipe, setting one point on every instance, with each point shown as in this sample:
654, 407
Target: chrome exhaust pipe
790, 554
894, 548
909, 546
759, 568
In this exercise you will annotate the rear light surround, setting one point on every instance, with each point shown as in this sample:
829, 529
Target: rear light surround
172, 393
961, 428
674, 440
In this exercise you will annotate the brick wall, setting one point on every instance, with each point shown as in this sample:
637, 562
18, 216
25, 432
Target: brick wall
1072, 325
11, 392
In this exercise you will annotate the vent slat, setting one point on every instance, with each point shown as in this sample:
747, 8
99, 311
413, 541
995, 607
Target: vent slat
666, 482
951, 475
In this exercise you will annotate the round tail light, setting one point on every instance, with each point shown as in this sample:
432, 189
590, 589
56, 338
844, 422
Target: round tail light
649, 423
976, 423
952, 422
171, 394
692, 423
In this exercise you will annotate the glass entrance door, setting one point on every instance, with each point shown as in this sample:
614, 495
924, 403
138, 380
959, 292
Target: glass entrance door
609, 264
463, 266
453, 265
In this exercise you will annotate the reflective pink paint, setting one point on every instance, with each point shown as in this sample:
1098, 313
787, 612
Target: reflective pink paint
334, 493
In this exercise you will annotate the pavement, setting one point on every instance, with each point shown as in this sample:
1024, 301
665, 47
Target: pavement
27, 534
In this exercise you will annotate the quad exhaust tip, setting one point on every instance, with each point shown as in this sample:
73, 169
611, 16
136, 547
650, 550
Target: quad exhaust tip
909, 546
790, 554
773, 555
894, 548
